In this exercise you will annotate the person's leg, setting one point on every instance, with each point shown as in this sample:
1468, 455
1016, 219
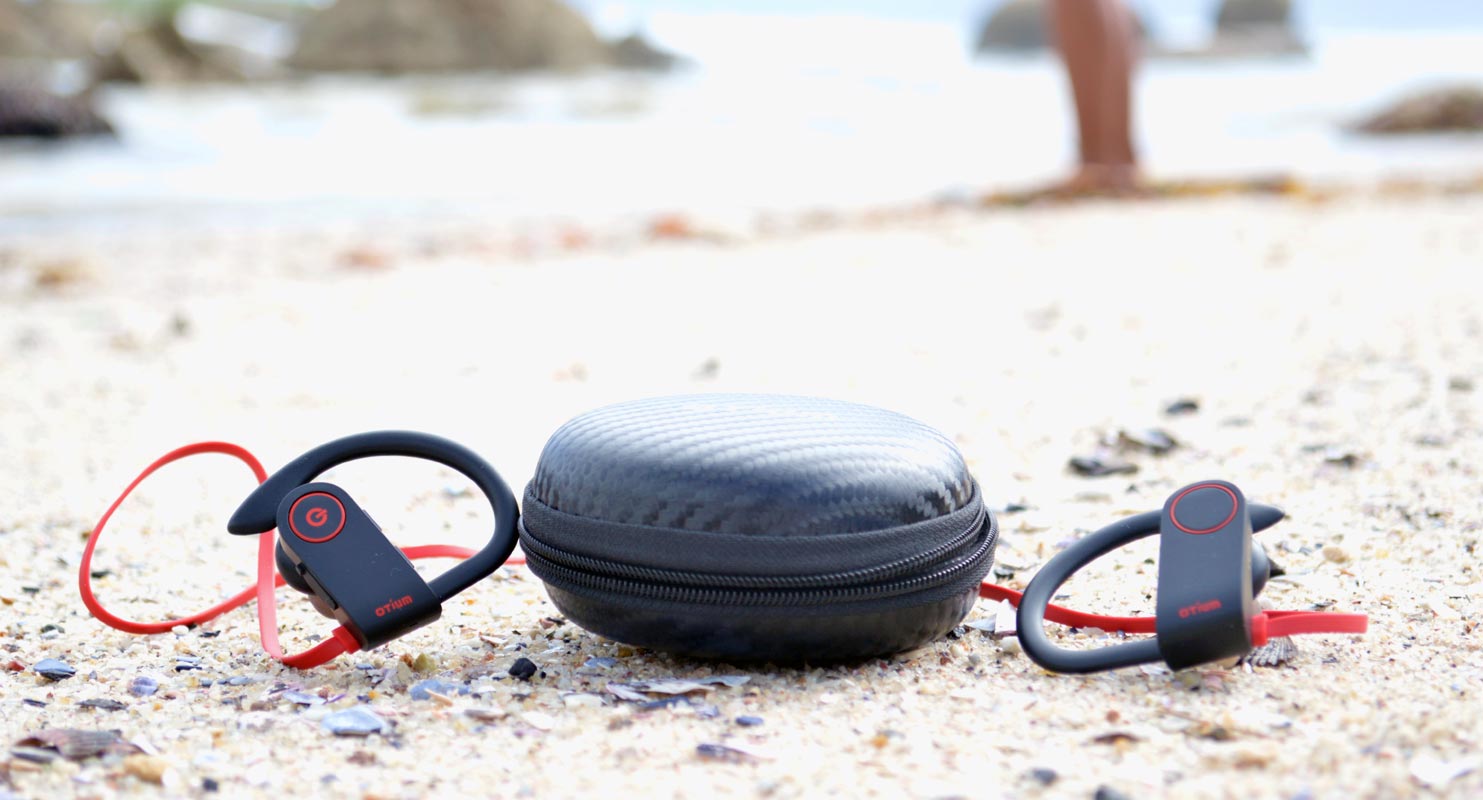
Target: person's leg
1095, 38
1117, 85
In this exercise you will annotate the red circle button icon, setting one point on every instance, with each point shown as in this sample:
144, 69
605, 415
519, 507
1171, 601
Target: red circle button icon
317, 517
1204, 508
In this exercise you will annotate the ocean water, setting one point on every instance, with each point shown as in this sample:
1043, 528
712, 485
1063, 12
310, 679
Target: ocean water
776, 113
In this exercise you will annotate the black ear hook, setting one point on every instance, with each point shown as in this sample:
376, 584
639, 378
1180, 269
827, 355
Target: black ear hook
1210, 570
332, 549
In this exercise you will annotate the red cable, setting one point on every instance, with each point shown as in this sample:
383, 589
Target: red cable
84, 572
1072, 617
1264, 625
1289, 623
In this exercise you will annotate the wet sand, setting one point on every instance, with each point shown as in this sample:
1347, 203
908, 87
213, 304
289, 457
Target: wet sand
1334, 345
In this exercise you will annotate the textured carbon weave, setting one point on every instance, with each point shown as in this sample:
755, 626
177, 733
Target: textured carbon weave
752, 465
757, 527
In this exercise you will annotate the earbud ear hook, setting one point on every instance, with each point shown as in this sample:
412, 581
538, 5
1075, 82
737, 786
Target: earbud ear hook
259, 512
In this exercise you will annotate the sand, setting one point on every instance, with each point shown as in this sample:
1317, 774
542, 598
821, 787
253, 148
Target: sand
1335, 349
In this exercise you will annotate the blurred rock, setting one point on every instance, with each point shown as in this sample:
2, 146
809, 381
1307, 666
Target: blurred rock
158, 53
1021, 26
634, 52
136, 44
449, 35
1243, 15
1015, 25
30, 112
1454, 108
52, 30
18, 37
1255, 27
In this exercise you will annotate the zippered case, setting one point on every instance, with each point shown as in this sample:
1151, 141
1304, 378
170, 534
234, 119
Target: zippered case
757, 527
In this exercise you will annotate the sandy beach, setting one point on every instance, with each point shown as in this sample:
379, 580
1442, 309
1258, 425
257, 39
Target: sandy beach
1334, 348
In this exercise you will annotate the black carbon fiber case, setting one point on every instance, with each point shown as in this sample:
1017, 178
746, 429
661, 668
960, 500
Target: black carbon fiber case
757, 527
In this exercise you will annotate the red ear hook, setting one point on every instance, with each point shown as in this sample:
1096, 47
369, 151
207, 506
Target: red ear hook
340, 641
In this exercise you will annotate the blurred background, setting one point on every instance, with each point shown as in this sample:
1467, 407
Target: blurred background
596, 110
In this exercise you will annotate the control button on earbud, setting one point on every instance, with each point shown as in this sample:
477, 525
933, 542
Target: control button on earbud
317, 517
1205, 508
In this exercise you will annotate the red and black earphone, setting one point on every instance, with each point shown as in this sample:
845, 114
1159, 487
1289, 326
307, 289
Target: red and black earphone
326, 546
329, 548
1210, 571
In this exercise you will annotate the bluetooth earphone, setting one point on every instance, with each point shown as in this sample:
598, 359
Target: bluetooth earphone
330, 549
1210, 568
1210, 571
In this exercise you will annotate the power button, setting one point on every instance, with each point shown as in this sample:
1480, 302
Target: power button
1203, 508
317, 517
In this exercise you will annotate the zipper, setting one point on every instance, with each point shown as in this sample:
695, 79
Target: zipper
941, 565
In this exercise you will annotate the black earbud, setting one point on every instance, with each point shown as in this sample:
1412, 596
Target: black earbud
1210, 571
331, 549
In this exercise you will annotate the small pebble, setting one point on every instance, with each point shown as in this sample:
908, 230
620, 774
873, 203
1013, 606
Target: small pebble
582, 700
1335, 554
539, 720
424, 663
302, 698
1095, 467
357, 721
523, 668
1109, 793
34, 755
144, 686
1436, 773
1152, 440
1184, 405
726, 752
146, 768
446, 688
486, 714
747, 721
1044, 776
54, 670
103, 704
210, 785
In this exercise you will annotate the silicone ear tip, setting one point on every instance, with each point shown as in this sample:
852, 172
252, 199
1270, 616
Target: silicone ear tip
1263, 517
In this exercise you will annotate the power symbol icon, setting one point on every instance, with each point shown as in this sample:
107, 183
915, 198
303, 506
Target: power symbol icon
317, 517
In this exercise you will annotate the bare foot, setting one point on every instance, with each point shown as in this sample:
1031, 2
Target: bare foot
1101, 179
1090, 180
